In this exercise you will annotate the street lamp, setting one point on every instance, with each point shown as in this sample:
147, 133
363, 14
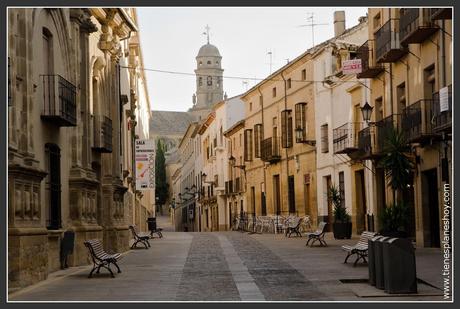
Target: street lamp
232, 160
367, 112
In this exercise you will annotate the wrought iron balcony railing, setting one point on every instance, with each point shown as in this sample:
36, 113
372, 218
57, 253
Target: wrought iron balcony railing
442, 121
369, 65
417, 122
271, 150
59, 101
102, 133
387, 44
372, 139
415, 25
346, 138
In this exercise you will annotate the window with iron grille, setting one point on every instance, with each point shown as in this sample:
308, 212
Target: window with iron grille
324, 138
286, 129
301, 120
342, 188
258, 136
53, 186
248, 145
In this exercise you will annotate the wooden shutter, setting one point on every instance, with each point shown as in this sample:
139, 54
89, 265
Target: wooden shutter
300, 120
248, 145
289, 132
257, 140
324, 138
284, 129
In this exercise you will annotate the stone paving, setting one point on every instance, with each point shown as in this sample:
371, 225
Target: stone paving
226, 266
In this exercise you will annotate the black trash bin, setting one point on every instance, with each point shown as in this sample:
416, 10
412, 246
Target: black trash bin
379, 273
67, 244
399, 266
371, 258
152, 224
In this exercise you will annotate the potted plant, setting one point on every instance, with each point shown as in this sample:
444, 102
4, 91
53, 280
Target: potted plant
342, 220
398, 165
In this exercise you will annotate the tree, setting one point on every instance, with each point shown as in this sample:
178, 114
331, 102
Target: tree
161, 184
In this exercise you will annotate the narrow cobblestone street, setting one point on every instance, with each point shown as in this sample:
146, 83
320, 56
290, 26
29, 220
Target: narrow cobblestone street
227, 266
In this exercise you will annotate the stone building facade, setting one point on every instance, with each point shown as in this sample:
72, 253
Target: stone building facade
281, 167
65, 132
407, 61
338, 119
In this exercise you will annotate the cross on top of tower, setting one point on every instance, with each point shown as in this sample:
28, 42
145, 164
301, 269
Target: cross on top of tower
207, 32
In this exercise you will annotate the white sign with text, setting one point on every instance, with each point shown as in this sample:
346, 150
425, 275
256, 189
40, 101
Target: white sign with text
351, 66
145, 164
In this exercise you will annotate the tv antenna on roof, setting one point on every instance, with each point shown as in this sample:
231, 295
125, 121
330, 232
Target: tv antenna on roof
312, 24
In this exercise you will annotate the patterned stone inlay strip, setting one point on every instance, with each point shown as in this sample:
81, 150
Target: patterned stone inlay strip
206, 275
276, 279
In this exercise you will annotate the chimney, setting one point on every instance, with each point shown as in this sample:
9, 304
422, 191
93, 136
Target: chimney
339, 22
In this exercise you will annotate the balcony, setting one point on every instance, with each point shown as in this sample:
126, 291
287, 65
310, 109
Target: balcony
102, 134
370, 68
59, 101
346, 138
371, 140
441, 13
416, 121
387, 44
270, 150
442, 121
414, 28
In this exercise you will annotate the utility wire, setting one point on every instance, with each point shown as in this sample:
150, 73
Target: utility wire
236, 77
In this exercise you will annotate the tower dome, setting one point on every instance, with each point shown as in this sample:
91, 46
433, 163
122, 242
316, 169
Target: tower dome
208, 50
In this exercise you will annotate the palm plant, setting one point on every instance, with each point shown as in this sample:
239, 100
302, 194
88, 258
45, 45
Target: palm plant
397, 162
340, 212
398, 166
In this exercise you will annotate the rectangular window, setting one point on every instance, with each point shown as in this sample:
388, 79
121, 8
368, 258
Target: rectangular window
248, 145
342, 187
250, 106
286, 129
274, 92
258, 136
304, 74
324, 138
300, 121
288, 83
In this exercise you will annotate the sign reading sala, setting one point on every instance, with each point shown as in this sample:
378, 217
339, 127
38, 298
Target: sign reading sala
351, 66
145, 164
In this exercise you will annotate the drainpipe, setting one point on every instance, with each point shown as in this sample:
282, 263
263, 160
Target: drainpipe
261, 101
287, 128
443, 84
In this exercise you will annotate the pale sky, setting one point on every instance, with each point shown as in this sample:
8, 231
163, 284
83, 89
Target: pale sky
171, 38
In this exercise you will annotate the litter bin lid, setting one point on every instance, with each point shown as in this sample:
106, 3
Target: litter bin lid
375, 238
384, 238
